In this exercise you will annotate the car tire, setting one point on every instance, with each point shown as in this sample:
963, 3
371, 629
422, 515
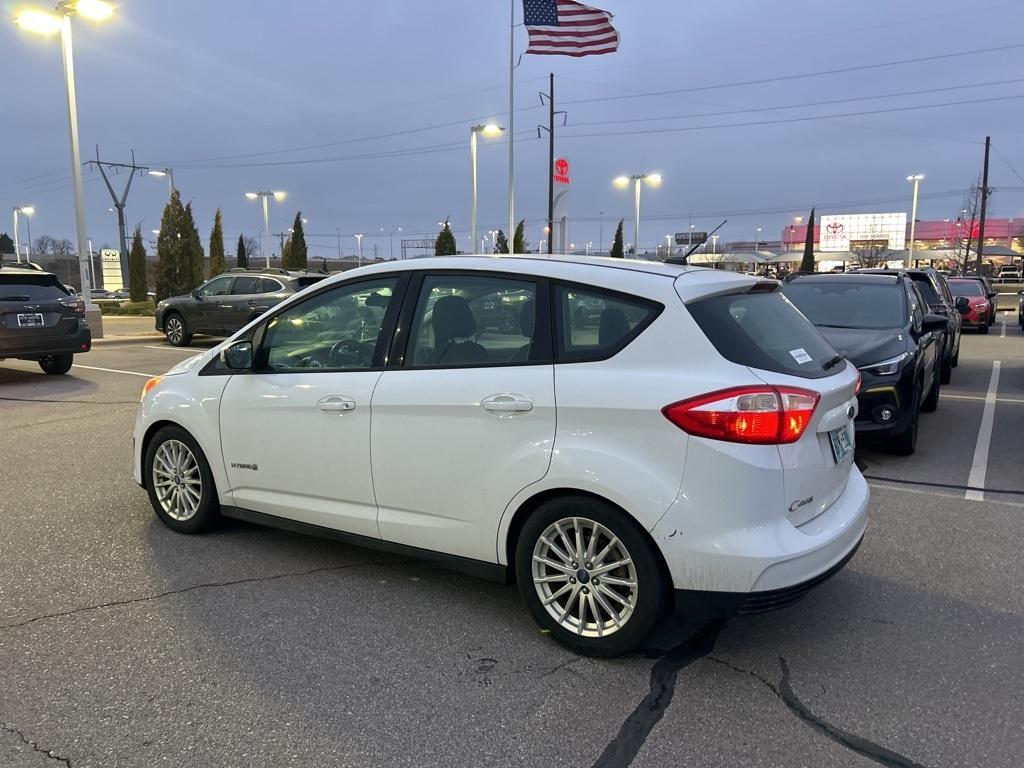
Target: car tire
176, 330
56, 365
905, 443
955, 360
946, 369
931, 403
628, 601
983, 329
180, 484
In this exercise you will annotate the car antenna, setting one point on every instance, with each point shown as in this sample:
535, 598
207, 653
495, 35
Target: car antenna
684, 258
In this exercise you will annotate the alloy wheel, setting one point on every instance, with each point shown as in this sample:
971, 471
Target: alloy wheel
175, 330
177, 480
585, 577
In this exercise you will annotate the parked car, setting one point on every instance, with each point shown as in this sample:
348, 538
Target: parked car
40, 320
694, 446
940, 301
881, 324
227, 302
1009, 273
975, 308
100, 293
989, 291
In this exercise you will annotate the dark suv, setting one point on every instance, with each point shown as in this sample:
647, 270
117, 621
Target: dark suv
881, 324
940, 301
226, 303
40, 320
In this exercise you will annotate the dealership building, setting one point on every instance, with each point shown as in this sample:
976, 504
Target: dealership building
837, 239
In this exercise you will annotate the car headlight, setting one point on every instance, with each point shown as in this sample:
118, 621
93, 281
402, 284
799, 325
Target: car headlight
885, 367
161, 304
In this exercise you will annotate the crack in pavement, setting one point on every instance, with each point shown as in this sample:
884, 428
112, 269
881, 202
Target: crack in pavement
206, 585
634, 731
858, 744
35, 745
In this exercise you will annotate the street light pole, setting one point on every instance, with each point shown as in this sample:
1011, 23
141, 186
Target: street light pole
17, 245
653, 179
359, 242
490, 129
266, 228
916, 178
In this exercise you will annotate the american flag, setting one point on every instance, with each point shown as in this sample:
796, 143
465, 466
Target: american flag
568, 28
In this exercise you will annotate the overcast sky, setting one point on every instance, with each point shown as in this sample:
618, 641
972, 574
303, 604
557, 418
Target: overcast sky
195, 84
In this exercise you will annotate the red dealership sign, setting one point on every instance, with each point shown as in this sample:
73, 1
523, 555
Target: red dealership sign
561, 172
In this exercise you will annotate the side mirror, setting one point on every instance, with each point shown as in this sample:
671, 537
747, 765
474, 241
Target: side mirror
934, 323
238, 356
196, 295
962, 303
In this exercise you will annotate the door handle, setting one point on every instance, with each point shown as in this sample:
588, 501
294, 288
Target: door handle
224, 306
336, 404
251, 302
507, 404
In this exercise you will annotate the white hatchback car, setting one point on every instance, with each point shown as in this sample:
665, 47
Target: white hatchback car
610, 434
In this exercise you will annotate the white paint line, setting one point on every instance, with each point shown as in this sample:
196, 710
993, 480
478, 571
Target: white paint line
883, 486
1002, 333
114, 370
187, 350
1012, 400
979, 467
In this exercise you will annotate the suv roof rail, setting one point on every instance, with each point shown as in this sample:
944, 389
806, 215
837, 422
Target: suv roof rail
260, 270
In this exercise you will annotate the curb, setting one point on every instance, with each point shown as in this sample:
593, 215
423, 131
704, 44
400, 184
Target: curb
137, 339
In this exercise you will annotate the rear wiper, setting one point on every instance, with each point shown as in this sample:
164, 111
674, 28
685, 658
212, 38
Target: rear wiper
14, 298
832, 363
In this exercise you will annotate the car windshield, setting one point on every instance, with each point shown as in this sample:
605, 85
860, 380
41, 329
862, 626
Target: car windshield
966, 288
848, 304
41, 287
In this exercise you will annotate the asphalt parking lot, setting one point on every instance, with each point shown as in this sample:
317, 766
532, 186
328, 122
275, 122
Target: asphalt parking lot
124, 644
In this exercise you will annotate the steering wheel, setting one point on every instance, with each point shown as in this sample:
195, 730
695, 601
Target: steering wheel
348, 353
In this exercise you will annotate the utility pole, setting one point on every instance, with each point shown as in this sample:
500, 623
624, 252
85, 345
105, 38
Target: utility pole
281, 252
550, 128
338, 230
984, 201
119, 202
600, 247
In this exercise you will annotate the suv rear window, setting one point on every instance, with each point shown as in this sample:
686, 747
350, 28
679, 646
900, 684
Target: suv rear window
764, 330
31, 288
308, 280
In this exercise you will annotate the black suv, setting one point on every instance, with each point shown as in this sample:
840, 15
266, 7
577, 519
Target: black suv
227, 302
940, 301
881, 324
40, 320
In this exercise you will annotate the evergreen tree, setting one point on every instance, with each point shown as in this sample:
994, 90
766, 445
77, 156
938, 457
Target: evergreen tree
217, 264
6, 244
807, 263
500, 242
617, 250
286, 250
241, 257
296, 254
174, 274
195, 245
519, 237
138, 286
445, 243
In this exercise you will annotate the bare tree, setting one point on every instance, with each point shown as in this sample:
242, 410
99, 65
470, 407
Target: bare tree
43, 244
62, 247
871, 253
966, 228
252, 247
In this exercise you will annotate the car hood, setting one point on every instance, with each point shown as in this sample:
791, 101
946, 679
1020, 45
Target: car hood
862, 346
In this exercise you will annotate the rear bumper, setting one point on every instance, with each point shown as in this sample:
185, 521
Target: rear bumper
35, 348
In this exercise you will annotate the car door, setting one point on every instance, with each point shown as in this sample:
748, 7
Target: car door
928, 344
238, 307
295, 431
207, 313
464, 418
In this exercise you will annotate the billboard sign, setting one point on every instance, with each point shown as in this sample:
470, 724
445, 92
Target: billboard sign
839, 232
689, 238
561, 171
111, 260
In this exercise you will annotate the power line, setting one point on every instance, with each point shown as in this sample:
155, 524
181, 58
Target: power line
1008, 164
801, 75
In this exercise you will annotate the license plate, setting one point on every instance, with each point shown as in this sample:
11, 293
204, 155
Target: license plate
842, 445
31, 320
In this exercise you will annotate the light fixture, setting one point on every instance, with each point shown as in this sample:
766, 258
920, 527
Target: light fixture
40, 22
621, 182
97, 10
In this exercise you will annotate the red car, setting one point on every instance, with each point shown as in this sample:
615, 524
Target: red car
975, 313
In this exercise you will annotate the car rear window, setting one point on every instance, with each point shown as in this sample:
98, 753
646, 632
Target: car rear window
765, 331
927, 289
849, 304
308, 280
31, 288
966, 288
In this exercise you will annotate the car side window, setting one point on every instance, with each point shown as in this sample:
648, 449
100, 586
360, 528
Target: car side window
471, 320
244, 286
593, 324
268, 285
337, 330
916, 310
219, 286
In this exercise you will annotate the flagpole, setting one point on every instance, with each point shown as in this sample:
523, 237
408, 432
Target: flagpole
511, 127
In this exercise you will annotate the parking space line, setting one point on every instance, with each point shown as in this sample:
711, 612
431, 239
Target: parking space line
1011, 400
170, 349
114, 370
979, 466
1002, 333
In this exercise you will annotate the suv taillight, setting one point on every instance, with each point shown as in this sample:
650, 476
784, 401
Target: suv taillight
759, 414
76, 305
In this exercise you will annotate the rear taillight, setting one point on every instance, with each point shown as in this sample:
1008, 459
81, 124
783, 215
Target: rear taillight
760, 414
856, 388
75, 305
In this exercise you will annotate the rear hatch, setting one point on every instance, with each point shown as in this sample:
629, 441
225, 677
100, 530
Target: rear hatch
760, 329
34, 306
